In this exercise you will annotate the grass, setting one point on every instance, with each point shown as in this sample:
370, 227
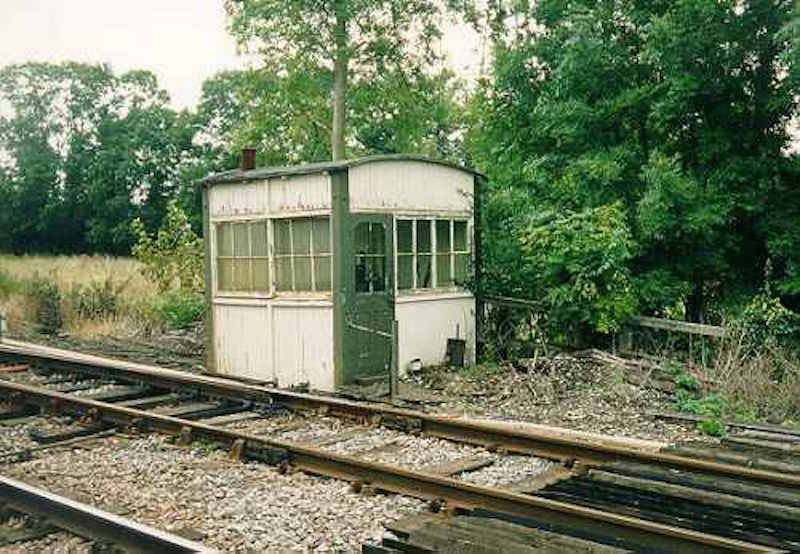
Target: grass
88, 296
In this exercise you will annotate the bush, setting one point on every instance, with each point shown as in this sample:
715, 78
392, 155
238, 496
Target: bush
8, 285
47, 301
577, 264
174, 257
98, 300
180, 310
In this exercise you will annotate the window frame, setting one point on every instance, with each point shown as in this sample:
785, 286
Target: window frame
272, 290
312, 255
434, 254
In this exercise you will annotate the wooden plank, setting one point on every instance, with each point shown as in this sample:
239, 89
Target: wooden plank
697, 495
679, 326
461, 465
227, 419
328, 440
707, 481
763, 427
150, 401
780, 446
533, 484
14, 368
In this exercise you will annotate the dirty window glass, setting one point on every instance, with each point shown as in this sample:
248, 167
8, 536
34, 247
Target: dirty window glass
432, 254
370, 257
405, 254
444, 274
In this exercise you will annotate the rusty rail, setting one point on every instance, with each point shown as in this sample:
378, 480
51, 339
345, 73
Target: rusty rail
524, 441
92, 523
558, 515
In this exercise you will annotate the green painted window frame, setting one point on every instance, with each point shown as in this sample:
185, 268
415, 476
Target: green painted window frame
241, 255
317, 256
443, 277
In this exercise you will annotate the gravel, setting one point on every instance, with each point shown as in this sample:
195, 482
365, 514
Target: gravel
235, 506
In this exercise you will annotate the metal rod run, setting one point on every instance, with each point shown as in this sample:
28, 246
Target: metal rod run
92, 523
526, 441
560, 515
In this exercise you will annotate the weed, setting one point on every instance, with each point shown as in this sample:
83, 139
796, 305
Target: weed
8, 285
180, 310
47, 299
712, 427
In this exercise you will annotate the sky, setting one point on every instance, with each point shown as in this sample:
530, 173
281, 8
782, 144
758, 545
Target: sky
182, 41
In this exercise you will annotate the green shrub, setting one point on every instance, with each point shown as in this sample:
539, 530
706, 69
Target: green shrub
180, 310
174, 257
47, 299
98, 300
8, 285
577, 264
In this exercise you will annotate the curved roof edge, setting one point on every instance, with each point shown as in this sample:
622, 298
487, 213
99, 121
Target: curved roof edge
239, 176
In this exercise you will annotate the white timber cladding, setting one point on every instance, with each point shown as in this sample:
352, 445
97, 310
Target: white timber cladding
288, 342
286, 338
271, 197
426, 322
410, 187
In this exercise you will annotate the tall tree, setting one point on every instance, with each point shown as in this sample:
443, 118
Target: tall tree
86, 151
348, 38
600, 101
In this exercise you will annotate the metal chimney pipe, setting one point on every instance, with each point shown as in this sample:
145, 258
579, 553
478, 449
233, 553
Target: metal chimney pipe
248, 160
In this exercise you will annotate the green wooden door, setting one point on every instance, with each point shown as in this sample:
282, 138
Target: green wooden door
369, 307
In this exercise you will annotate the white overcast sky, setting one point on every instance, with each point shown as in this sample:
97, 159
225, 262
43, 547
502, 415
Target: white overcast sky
182, 41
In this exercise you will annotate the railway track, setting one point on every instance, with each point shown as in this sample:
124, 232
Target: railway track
50, 512
603, 492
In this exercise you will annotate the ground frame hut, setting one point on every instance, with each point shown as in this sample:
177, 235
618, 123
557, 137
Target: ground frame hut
307, 267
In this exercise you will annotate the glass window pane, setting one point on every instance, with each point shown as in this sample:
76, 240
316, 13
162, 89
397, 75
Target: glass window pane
258, 236
404, 238
362, 274
224, 242
377, 239
322, 235
241, 274
225, 274
442, 235
462, 268
443, 276
302, 273
460, 236
322, 272
423, 236
361, 238
405, 272
283, 243
261, 275
301, 236
423, 271
241, 241
283, 274
377, 273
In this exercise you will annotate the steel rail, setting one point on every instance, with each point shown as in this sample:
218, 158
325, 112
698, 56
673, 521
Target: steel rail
525, 441
92, 523
558, 515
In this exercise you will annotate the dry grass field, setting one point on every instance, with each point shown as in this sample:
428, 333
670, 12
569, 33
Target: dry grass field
96, 295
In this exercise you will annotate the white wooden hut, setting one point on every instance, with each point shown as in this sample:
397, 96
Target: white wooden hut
307, 267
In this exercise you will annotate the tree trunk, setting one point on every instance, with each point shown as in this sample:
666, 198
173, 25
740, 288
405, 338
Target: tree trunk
340, 63
695, 304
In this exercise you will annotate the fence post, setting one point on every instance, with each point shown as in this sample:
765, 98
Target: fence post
394, 366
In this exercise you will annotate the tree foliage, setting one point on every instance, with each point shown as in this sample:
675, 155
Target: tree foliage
621, 102
85, 152
328, 47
